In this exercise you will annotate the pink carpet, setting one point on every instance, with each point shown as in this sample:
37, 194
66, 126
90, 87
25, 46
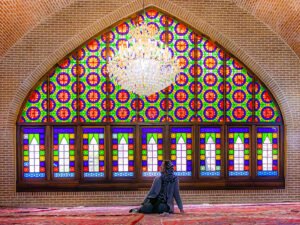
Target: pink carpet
285, 213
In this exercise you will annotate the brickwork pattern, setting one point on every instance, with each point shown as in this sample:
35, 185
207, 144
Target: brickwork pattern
239, 32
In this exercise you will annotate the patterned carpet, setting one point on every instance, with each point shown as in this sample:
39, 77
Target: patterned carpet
286, 213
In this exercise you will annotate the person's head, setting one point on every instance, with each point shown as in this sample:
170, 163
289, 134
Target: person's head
166, 165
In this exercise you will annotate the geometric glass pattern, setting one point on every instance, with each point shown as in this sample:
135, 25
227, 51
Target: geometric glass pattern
181, 99
267, 151
153, 108
265, 108
238, 151
152, 150
93, 152
210, 151
34, 152
209, 70
198, 90
64, 152
181, 150
92, 85
122, 104
239, 93
123, 152
63, 91
35, 109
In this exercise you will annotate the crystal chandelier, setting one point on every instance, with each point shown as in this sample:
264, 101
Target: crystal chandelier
143, 66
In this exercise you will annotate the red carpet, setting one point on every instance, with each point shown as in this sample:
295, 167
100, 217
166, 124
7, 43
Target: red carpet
286, 213
66, 216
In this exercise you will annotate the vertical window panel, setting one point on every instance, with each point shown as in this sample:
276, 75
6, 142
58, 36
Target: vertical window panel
93, 152
210, 151
239, 151
181, 96
122, 103
181, 150
152, 150
33, 153
123, 152
35, 109
152, 108
210, 73
64, 152
92, 85
63, 91
265, 107
267, 151
238, 92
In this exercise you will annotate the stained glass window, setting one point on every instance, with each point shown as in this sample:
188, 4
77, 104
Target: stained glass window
239, 92
122, 103
210, 151
63, 91
152, 150
267, 151
92, 85
34, 165
214, 93
153, 108
64, 152
181, 150
35, 109
238, 151
181, 97
122, 152
93, 152
265, 108
210, 73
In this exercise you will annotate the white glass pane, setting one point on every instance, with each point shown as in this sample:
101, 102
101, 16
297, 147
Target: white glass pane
31, 168
207, 146
31, 155
178, 153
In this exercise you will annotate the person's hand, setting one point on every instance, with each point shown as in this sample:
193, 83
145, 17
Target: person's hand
181, 211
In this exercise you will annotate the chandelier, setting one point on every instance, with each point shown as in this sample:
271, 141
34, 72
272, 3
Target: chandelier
143, 66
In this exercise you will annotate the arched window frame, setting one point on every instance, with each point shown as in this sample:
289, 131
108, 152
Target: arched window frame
108, 182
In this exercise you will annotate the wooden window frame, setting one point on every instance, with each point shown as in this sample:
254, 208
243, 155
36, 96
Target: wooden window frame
195, 182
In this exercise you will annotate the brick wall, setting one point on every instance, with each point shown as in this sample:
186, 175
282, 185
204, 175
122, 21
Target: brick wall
240, 33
